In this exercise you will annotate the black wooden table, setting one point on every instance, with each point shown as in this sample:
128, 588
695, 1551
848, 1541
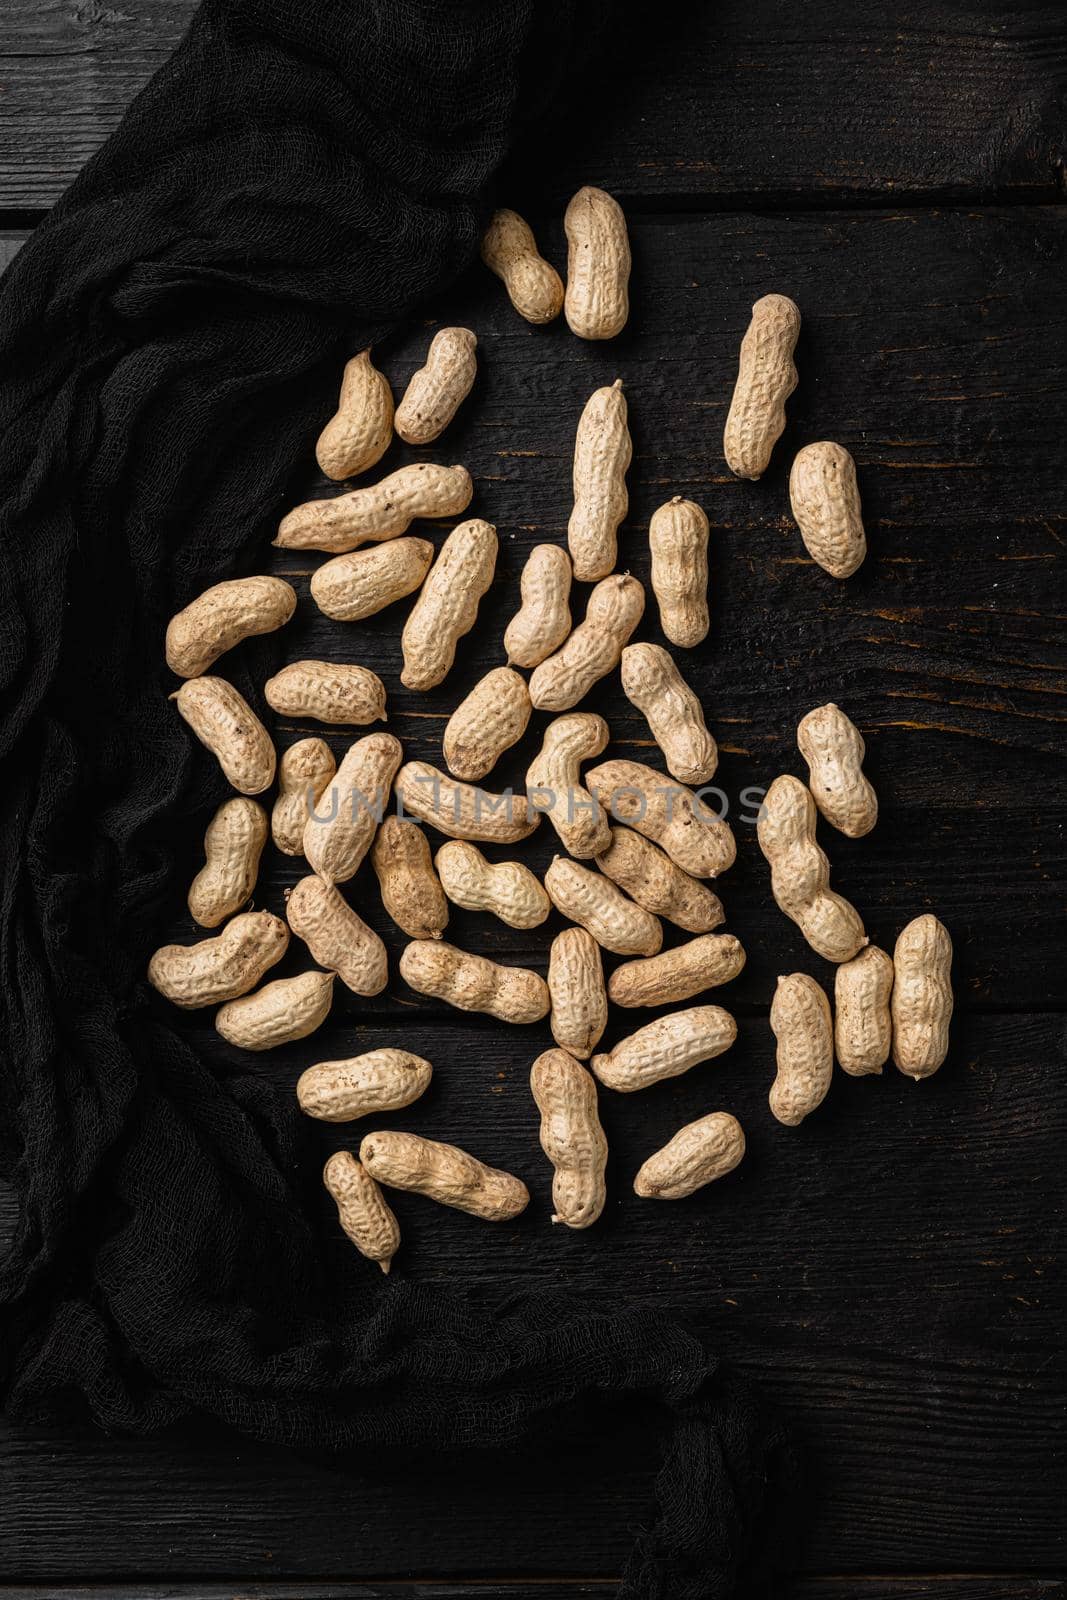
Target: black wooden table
888, 1272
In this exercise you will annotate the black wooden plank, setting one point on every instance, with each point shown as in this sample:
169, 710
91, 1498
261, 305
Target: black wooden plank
991, 1586
743, 101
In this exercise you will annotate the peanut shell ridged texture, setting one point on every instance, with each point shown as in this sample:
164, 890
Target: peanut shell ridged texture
571, 1137
833, 748
214, 970
305, 770
359, 432
462, 811
473, 983
766, 378
593, 649
543, 621
328, 691
698, 1154
825, 499
492, 718
578, 992
800, 872
665, 811
337, 936
382, 510
594, 902
602, 454
438, 389
678, 974
922, 997
362, 1209
678, 542
649, 876
666, 1048
233, 845
597, 301
506, 889
443, 1173
802, 1025
363, 1086
226, 725
653, 684
359, 585
447, 606
287, 1009
224, 615
553, 783
862, 1024
340, 832
534, 286
410, 890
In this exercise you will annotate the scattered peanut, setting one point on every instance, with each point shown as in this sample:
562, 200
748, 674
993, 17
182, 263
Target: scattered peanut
336, 843
576, 986
602, 454
410, 891
225, 723
509, 249
304, 773
506, 889
862, 1023
652, 683
327, 691
221, 617
593, 649
443, 1173
380, 511
698, 1154
650, 877
553, 782
766, 378
280, 1012
597, 905
678, 974
538, 629
678, 541
222, 968
833, 748
448, 603
597, 301
462, 811
473, 983
359, 585
667, 813
233, 845
571, 1137
801, 1023
362, 1209
363, 1086
358, 433
800, 872
666, 1048
922, 997
487, 722
438, 389
336, 936
826, 504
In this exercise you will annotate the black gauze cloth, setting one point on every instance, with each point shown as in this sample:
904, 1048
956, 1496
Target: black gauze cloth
289, 186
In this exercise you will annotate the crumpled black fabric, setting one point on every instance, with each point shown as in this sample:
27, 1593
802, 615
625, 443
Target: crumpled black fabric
290, 185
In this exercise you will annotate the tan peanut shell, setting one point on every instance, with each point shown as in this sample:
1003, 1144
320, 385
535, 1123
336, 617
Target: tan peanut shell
287, 1009
698, 1154
538, 629
801, 1023
602, 454
666, 1048
579, 996
224, 615
304, 771
233, 845
473, 983
410, 890
597, 301
382, 510
337, 936
594, 903
327, 691
487, 722
443, 1173
339, 832
506, 889
509, 249
226, 725
571, 1137
766, 378
678, 974
363, 1086
678, 542
593, 649
666, 812
553, 782
825, 499
213, 970
862, 1025
462, 811
448, 603
360, 584
833, 747
649, 876
800, 872
359, 432
653, 684
922, 997
362, 1209
438, 389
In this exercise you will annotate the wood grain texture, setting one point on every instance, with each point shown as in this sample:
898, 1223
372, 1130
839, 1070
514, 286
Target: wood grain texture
991, 1586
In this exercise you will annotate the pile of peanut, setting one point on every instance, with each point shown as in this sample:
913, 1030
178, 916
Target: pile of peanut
636, 846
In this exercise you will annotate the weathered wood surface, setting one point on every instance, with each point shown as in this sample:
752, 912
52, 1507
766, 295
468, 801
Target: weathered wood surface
998, 1586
